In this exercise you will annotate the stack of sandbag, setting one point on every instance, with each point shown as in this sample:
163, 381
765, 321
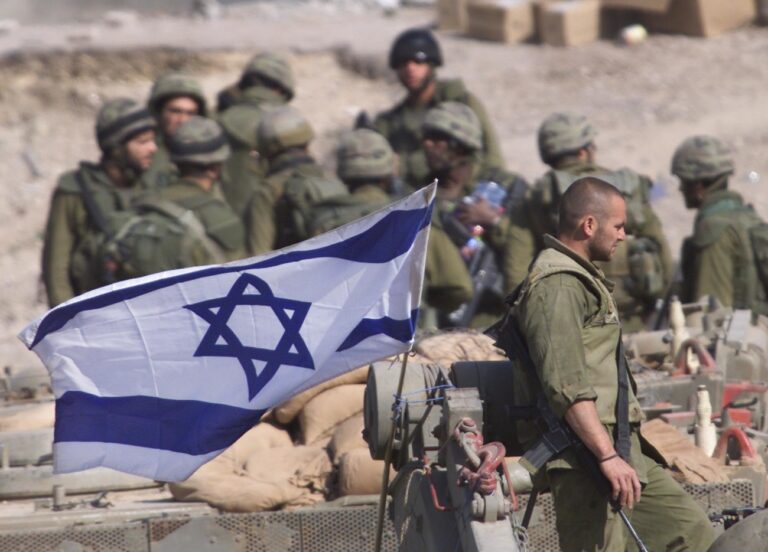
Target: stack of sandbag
261, 471
453, 346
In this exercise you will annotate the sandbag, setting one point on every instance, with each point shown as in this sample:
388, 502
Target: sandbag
262, 436
359, 474
302, 466
286, 412
347, 436
449, 347
230, 492
324, 412
27, 417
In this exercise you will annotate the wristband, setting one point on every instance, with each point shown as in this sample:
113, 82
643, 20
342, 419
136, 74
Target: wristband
611, 457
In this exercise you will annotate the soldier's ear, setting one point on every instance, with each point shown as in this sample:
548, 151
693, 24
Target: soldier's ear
589, 225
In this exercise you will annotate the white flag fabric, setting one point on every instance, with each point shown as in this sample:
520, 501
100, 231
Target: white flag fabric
155, 376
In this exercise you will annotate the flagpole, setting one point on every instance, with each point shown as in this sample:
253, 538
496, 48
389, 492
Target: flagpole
388, 460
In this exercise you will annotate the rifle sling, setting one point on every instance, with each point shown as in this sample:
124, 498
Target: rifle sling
91, 206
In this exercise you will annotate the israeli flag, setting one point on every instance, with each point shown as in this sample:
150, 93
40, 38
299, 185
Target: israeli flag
157, 375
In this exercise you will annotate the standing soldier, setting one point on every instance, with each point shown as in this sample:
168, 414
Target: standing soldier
266, 83
279, 211
467, 190
414, 56
642, 267
84, 198
726, 255
366, 164
569, 328
198, 149
174, 98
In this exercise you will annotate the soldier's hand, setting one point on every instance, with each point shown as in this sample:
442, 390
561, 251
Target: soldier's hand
625, 485
481, 212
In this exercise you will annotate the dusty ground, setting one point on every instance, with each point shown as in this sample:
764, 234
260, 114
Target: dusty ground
644, 101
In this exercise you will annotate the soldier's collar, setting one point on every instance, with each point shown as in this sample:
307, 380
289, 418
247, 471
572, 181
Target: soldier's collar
553, 243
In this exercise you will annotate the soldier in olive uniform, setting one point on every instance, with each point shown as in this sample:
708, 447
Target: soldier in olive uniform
279, 210
452, 144
84, 198
366, 164
174, 98
642, 268
720, 258
569, 322
267, 83
198, 148
414, 56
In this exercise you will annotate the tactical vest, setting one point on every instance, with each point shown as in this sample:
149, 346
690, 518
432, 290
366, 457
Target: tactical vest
339, 210
750, 258
306, 186
599, 335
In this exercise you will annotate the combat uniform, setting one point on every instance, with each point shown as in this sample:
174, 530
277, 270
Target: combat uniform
84, 200
221, 223
269, 221
567, 316
718, 258
67, 270
402, 127
242, 173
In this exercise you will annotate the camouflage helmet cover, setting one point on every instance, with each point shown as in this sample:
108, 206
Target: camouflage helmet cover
272, 67
362, 154
199, 141
564, 133
456, 120
281, 129
119, 120
702, 158
174, 84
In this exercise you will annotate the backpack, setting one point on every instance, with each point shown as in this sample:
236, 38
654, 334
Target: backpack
294, 210
758, 239
154, 236
338, 211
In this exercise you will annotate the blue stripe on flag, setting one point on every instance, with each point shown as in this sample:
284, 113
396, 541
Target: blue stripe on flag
389, 238
401, 330
190, 427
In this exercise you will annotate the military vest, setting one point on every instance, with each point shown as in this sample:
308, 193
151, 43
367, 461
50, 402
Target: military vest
600, 336
749, 258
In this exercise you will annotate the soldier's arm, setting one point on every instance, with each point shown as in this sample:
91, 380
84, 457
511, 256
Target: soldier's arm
447, 281
714, 269
491, 144
60, 241
260, 230
551, 321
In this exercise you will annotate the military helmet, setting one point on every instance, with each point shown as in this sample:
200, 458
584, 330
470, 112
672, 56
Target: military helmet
119, 120
364, 154
564, 133
272, 67
456, 120
415, 45
171, 85
702, 158
200, 141
281, 129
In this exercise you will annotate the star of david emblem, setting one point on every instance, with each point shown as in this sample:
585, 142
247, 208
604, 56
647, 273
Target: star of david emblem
221, 341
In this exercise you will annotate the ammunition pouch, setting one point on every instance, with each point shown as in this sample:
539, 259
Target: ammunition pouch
646, 275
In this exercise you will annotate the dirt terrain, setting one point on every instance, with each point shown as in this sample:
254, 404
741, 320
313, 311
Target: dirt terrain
643, 99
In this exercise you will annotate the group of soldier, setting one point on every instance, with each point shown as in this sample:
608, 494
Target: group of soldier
246, 175
241, 182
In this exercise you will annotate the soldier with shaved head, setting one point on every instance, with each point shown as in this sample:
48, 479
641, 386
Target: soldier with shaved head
566, 315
